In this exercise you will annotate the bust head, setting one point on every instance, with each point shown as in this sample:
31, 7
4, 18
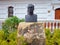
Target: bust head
31, 17
30, 9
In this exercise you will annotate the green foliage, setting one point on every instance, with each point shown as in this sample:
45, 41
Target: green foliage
56, 36
12, 42
4, 42
8, 34
1, 34
11, 23
47, 33
13, 36
53, 38
8, 40
22, 40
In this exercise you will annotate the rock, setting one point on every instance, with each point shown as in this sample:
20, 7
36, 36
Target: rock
33, 32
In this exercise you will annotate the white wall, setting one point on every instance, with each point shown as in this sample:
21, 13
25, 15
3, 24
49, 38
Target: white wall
20, 9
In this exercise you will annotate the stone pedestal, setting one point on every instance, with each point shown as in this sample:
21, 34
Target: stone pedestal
33, 32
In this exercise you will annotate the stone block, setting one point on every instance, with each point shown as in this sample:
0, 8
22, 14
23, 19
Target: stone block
33, 32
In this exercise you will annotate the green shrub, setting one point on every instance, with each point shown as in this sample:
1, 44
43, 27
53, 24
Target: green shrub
11, 23
8, 34
52, 38
4, 42
1, 34
48, 37
8, 40
22, 40
13, 36
12, 42
56, 36
47, 33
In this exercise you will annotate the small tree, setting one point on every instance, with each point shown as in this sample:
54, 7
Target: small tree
10, 25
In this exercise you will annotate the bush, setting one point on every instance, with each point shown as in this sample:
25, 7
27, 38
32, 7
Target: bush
4, 42
8, 40
52, 38
11, 23
8, 34
12, 42
22, 40
13, 36
47, 33
1, 34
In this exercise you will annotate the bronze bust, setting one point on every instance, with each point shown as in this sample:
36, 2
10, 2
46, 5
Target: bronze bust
30, 17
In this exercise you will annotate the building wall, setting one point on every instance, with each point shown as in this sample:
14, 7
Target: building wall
42, 9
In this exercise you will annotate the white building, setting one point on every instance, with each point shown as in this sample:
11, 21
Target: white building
45, 9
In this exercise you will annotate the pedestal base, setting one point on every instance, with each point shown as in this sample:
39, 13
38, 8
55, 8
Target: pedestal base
32, 32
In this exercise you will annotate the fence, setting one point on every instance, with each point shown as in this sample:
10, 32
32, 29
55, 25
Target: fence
51, 24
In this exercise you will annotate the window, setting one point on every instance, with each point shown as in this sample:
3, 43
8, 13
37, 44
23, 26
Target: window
10, 11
